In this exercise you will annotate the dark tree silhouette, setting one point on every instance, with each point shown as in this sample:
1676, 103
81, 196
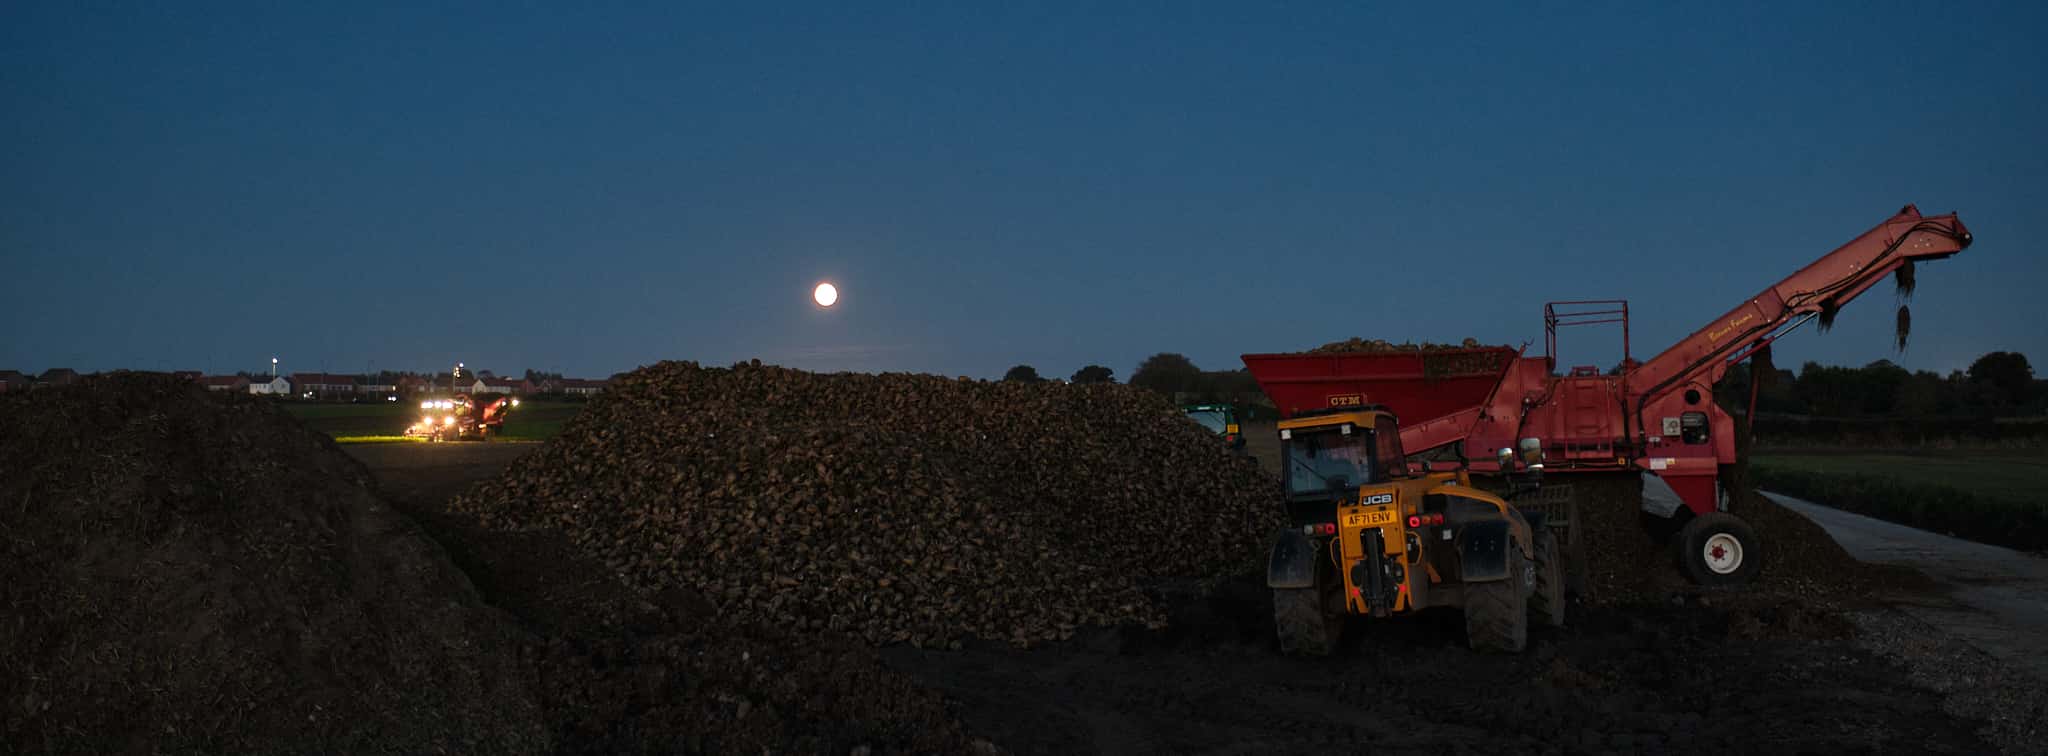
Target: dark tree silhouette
2007, 374
1025, 373
1167, 373
1094, 374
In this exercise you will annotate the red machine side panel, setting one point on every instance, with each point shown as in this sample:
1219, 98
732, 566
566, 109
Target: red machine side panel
1415, 386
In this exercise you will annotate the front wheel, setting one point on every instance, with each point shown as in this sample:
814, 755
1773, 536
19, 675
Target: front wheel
1718, 549
1497, 611
1304, 628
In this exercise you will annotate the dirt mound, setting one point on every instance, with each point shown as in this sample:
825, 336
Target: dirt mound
891, 507
1629, 560
189, 573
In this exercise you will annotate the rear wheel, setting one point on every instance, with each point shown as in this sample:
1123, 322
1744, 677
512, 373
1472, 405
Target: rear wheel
1304, 628
1497, 612
1546, 603
1718, 548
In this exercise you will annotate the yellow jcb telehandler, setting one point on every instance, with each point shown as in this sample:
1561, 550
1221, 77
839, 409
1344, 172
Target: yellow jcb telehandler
1371, 537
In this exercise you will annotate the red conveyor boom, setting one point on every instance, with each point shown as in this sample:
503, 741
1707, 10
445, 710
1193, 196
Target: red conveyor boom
1827, 284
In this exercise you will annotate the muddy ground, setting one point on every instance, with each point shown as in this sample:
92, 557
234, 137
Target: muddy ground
1721, 673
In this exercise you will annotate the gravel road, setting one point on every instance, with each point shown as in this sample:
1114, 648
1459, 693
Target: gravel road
1993, 598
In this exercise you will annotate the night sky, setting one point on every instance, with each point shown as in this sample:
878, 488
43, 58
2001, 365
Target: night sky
363, 187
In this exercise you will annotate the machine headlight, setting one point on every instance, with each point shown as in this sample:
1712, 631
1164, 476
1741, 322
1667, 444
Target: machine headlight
450, 420
426, 405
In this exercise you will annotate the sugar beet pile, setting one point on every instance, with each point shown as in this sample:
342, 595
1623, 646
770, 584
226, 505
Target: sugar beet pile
1380, 346
191, 574
896, 508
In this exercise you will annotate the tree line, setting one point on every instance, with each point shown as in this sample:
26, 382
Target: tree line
1998, 384
1168, 373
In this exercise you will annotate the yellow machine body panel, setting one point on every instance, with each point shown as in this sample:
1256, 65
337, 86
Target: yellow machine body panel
1362, 419
1380, 517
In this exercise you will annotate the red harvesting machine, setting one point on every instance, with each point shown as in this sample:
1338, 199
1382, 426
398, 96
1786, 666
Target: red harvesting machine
1657, 416
462, 417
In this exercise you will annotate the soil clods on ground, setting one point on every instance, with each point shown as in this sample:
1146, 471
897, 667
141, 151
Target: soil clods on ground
1686, 679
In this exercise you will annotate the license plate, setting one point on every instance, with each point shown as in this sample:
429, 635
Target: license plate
1369, 519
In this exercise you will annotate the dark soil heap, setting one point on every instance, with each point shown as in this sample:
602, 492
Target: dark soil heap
891, 507
188, 573
1627, 564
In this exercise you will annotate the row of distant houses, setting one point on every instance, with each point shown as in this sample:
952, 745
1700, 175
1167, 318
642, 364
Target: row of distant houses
11, 380
332, 385
329, 385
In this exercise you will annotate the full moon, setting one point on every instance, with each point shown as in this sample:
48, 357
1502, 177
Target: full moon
825, 294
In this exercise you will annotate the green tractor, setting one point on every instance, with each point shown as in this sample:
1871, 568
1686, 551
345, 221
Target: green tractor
1220, 419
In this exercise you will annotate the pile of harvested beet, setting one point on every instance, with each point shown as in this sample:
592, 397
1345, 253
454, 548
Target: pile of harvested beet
192, 573
198, 573
895, 508
1361, 344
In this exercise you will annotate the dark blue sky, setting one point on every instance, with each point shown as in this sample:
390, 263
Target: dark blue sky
590, 190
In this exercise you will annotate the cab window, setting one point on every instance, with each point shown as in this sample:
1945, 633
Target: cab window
1328, 460
1214, 420
1391, 459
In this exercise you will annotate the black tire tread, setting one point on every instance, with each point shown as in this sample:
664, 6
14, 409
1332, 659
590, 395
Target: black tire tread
1496, 612
1693, 537
1303, 627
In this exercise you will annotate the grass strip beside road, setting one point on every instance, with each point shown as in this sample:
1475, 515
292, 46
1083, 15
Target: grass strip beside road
1991, 498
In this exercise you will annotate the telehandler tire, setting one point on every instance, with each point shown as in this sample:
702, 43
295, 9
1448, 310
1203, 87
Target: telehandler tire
1303, 627
1718, 549
1497, 611
1546, 604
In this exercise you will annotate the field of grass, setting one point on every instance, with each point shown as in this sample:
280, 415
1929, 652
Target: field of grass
380, 422
2014, 475
1991, 496
366, 419
536, 421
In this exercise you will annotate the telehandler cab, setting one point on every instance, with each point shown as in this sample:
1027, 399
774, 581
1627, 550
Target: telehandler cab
1372, 537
